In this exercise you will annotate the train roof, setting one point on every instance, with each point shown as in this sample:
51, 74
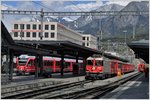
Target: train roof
49, 58
96, 58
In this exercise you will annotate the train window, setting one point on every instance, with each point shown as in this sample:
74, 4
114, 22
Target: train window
22, 62
90, 62
119, 65
57, 63
98, 63
45, 63
50, 63
67, 64
31, 63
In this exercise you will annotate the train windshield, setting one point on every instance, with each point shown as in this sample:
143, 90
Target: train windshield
22, 62
89, 62
98, 63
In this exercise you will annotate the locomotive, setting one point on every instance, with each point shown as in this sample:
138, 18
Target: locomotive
100, 68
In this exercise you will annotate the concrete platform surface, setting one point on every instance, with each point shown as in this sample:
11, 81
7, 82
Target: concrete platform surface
135, 89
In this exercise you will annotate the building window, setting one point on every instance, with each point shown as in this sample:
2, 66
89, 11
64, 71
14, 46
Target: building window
34, 34
52, 27
16, 34
52, 35
83, 44
15, 26
28, 34
21, 26
28, 26
46, 27
87, 44
34, 26
88, 38
39, 34
83, 38
22, 34
46, 34
39, 27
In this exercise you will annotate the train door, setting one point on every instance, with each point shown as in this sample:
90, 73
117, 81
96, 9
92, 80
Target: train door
30, 67
112, 68
120, 66
57, 66
47, 69
67, 66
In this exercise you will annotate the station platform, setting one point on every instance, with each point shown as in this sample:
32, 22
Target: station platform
29, 82
134, 89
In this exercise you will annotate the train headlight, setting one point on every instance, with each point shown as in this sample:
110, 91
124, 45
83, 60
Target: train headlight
93, 68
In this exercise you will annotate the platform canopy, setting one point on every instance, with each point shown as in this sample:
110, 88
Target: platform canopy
141, 49
67, 48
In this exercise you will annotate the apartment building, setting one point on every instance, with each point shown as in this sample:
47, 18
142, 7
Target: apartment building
52, 31
89, 41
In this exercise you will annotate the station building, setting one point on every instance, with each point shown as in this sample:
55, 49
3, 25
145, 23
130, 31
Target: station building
52, 31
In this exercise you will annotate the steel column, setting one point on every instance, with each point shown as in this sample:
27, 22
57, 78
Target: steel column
11, 56
62, 64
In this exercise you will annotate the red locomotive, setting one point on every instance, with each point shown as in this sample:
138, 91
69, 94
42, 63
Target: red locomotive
27, 64
98, 68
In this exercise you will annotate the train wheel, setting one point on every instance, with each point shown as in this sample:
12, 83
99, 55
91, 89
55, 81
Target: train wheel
103, 77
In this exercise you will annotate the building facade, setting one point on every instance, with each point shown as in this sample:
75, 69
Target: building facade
89, 41
52, 31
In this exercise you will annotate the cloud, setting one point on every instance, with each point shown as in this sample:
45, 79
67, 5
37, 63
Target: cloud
7, 7
83, 7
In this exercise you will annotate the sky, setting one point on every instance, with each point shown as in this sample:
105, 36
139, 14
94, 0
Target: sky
53, 5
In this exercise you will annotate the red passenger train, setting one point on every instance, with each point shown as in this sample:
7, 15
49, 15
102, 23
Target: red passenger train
27, 64
98, 68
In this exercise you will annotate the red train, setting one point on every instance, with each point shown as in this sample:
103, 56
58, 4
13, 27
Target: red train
98, 68
27, 64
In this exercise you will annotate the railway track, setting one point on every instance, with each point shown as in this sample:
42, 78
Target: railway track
33, 93
92, 93
61, 91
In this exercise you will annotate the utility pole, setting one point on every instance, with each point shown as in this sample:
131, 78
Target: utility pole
134, 29
41, 33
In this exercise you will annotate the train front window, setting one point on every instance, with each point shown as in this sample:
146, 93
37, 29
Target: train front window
22, 62
98, 63
90, 62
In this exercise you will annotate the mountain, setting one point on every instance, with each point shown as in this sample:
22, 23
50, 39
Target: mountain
111, 26
114, 26
84, 20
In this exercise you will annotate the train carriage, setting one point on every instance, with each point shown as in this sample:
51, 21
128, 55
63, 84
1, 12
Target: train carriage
27, 64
